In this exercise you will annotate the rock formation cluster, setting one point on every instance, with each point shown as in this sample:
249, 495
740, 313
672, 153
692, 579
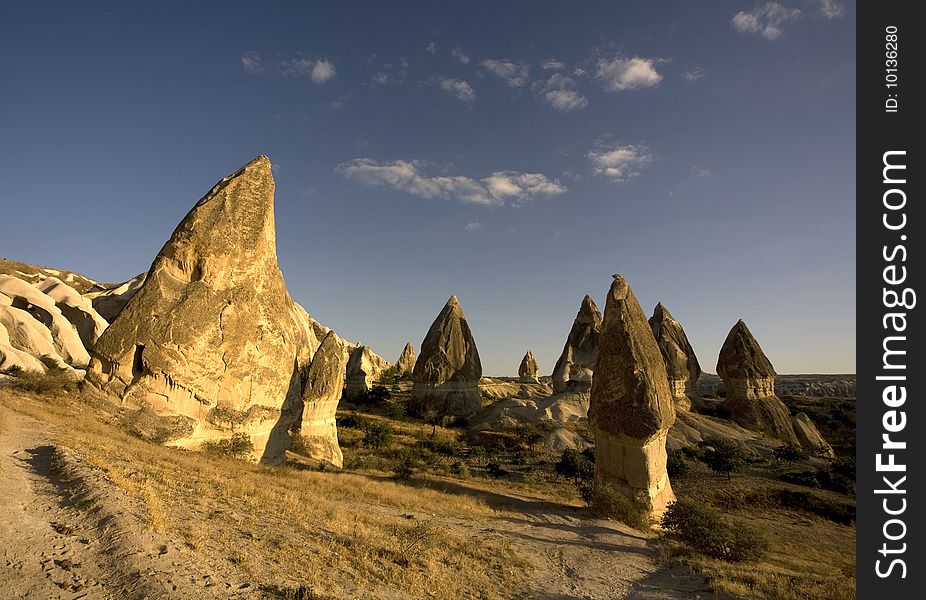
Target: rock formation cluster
405, 364
212, 333
447, 372
528, 371
573, 370
364, 368
681, 363
631, 407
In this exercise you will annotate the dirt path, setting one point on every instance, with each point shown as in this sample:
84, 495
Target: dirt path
65, 533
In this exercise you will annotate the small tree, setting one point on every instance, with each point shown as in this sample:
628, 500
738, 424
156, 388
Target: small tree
378, 435
724, 456
790, 452
576, 466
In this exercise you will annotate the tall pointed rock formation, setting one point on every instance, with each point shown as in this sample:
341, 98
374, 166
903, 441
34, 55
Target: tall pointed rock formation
323, 387
631, 407
212, 333
405, 365
573, 370
447, 373
364, 368
528, 371
681, 363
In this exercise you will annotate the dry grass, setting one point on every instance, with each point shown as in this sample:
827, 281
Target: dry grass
336, 533
809, 557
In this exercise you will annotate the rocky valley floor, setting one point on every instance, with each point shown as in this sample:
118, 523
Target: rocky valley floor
88, 511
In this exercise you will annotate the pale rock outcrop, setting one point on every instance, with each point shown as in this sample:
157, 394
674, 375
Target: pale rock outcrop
528, 371
212, 333
109, 301
76, 309
12, 359
364, 368
405, 365
448, 369
631, 408
809, 437
323, 386
573, 370
749, 379
42, 308
681, 363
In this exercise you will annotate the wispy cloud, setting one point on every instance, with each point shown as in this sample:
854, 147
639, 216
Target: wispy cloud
390, 73
623, 74
459, 89
559, 92
514, 74
767, 20
460, 55
252, 63
551, 64
472, 226
694, 74
431, 48
500, 188
831, 9
317, 70
619, 162
701, 172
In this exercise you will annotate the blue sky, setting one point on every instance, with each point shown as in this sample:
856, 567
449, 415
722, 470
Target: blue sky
514, 155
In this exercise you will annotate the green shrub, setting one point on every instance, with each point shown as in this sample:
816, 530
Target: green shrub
706, 531
54, 379
239, 445
724, 456
576, 466
354, 421
405, 468
790, 452
607, 503
460, 469
396, 410
378, 435
495, 470
677, 464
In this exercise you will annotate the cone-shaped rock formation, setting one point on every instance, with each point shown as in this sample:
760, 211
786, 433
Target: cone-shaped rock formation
681, 363
364, 368
573, 370
212, 333
528, 371
323, 387
631, 407
447, 373
406, 363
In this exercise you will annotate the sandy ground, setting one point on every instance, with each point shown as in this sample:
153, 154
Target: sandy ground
67, 532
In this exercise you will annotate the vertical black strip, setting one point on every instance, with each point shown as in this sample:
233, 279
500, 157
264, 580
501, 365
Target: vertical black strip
888, 262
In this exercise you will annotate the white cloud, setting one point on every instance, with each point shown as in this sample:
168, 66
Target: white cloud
831, 9
319, 71
619, 163
431, 48
558, 91
461, 90
701, 172
766, 20
551, 64
500, 188
323, 71
694, 74
514, 74
472, 226
461, 56
252, 63
622, 74
389, 74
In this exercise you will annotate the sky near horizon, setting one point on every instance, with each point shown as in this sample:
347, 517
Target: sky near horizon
514, 154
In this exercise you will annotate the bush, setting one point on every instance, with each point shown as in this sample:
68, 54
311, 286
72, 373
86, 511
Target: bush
724, 456
354, 421
705, 530
405, 468
495, 470
447, 448
790, 452
460, 469
607, 503
576, 466
396, 410
378, 435
239, 445
54, 379
677, 464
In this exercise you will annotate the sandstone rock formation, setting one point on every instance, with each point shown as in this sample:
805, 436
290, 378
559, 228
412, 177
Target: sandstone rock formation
76, 309
681, 363
406, 363
446, 375
37, 326
749, 379
573, 370
212, 333
631, 408
809, 437
323, 387
110, 300
528, 371
364, 368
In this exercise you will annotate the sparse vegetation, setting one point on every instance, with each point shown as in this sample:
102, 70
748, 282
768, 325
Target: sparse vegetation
378, 435
790, 452
575, 465
607, 503
724, 456
54, 379
705, 530
239, 445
